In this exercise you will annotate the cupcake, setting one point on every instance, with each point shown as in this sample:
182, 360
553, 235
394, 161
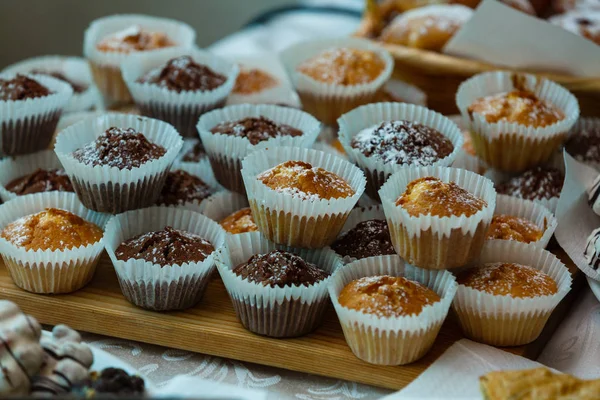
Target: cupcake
438, 217
72, 70
540, 184
383, 138
30, 107
507, 299
178, 85
335, 76
231, 133
193, 155
186, 187
584, 142
118, 162
390, 312
163, 256
517, 121
467, 157
301, 197
111, 40
231, 211
50, 242
276, 291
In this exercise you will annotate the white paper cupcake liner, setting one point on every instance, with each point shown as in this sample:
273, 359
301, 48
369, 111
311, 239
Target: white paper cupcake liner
511, 146
408, 93
438, 242
226, 152
152, 286
109, 189
274, 311
47, 271
581, 125
329, 149
180, 109
291, 220
223, 204
74, 68
469, 162
188, 144
372, 115
392, 340
27, 126
504, 320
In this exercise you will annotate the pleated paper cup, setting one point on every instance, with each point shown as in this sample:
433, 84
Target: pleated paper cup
152, 286
106, 66
27, 126
223, 204
358, 215
505, 320
203, 163
180, 109
371, 116
403, 91
226, 152
110, 189
328, 101
434, 242
280, 312
582, 125
392, 340
48, 271
291, 220
75, 69
513, 147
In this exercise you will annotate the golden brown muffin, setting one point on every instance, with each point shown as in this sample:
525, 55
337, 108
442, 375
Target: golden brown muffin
508, 227
515, 280
468, 146
301, 179
240, 221
519, 106
52, 229
387, 296
431, 196
253, 80
134, 38
343, 66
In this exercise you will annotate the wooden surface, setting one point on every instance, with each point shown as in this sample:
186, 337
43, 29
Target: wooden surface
212, 328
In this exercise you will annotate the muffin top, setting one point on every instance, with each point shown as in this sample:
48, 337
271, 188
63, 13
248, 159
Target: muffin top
280, 268
431, 196
134, 38
240, 221
166, 247
584, 145
387, 296
77, 87
343, 66
535, 184
111, 383
583, 22
253, 80
21, 88
195, 154
301, 179
367, 239
119, 148
255, 130
182, 187
519, 106
403, 143
51, 229
41, 180
508, 227
514, 280
183, 74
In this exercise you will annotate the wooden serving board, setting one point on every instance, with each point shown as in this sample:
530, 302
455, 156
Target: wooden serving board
212, 328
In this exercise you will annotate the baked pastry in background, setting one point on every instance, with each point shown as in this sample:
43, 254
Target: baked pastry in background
508, 227
255, 129
183, 74
521, 5
111, 383
367, 239
134, 38
253, 80
41, 180
584, 141
240, 221
181, 188
539, 183
561, 6
582, 22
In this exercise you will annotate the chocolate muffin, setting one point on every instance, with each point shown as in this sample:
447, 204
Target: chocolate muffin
535, 184
183, 74
255, 130
77, 87
109, 383
41, 181
195, 154
367, 239
584, 145
21, 88
167, 247
182, 187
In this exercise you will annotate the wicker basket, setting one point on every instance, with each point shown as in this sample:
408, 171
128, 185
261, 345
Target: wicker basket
439, 75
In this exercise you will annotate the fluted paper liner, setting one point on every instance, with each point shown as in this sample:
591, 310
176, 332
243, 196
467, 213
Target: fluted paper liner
188, 144
328, 101
226, 152
504, 320
406, 92
274, 311
581, 125
180, 109
47, 271
291, 220
106, 66
110, 189
28, 125
152, 286
434, 242
222, 204
392, 340
372, 115
469, 162
510, 146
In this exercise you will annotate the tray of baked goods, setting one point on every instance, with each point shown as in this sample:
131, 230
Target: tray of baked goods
249, 231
